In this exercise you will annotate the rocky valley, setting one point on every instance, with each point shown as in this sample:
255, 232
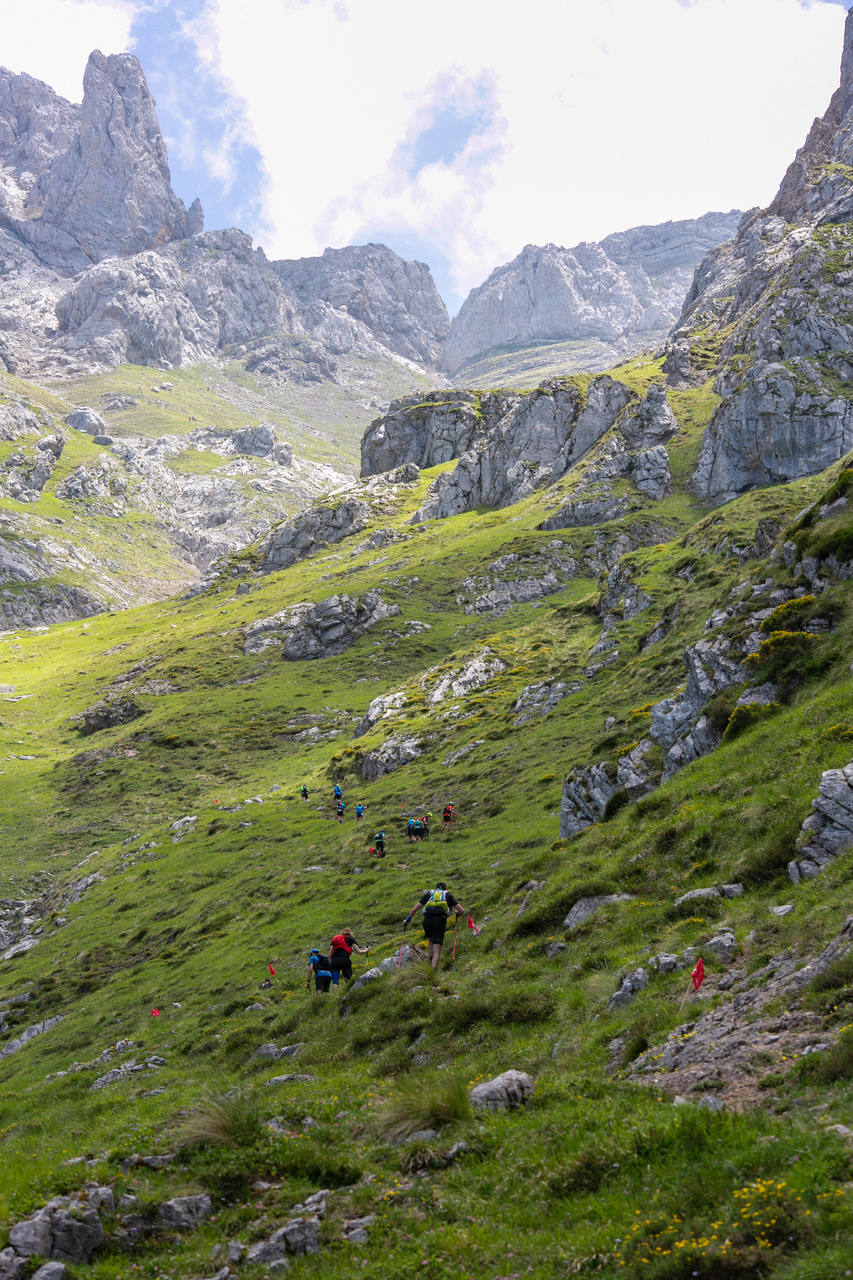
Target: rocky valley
605, 614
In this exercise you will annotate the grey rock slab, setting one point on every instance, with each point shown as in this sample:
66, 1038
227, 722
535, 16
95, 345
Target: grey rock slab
319, 630
392, 755
75, 1236
828, 831
631, 986
299, 1236
51, 1271
37, 1029
33, 1235
584, 908
274, 1052
510, 1089
265, 1252
186, 1212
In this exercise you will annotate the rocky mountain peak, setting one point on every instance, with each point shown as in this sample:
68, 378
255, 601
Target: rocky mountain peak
619, 294
79, 184
394, 298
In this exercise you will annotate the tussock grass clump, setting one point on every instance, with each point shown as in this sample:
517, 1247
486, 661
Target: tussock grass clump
419, 1104
230, 1118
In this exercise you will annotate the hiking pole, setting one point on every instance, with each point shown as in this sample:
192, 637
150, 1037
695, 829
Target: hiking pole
455, 923
402, 945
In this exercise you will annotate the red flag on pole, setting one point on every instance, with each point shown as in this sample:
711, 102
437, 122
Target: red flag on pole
698, 974
271, 969
155, 1013
471, 925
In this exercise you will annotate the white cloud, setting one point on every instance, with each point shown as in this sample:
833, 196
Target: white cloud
607, 114
52, 39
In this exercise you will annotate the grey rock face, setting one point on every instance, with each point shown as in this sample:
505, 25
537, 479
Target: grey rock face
828, 831
186, 1212
458, 683
392, 755
37, 1029
771, 431
503, 1093
587, 791
85, 183
396, 300
307, 532
678, 724
779, 293
427, 429
584, 908
318, 630
632, 283
631, 986
536, 701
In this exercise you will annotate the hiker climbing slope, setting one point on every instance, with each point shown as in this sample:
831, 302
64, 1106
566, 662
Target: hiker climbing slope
447, 817
319, 966
340, 962
437, 906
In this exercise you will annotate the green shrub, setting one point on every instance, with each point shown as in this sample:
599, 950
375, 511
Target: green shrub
745, 717
719, 710
617, 801
835, 976
787, 658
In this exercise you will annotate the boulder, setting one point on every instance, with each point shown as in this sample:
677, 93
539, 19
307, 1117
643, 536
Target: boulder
392, 755
274, 1052
299, 1236
51, 1271
632, 984
508, 1090
186, 1212
75, 1236
87, 419
586, 907
106, 715
477, 672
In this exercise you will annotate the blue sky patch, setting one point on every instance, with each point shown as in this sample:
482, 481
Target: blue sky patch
201, 124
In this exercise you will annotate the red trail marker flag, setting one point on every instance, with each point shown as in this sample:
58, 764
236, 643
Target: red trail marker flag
472, 926
155, 1013
271, 969
698, 974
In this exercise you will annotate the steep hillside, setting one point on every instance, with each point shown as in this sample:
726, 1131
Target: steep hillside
163, 859
555, 310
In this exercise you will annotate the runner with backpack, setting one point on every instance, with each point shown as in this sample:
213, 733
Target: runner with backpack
379, 842
447, 819
319, 966
437, 905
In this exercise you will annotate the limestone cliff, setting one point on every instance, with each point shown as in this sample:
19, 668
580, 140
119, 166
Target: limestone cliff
769, 316
79, 184
624, 292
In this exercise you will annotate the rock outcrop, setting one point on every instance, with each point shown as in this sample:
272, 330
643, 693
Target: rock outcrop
776, 299
83, 183
625, 291
395, 299
508, 444
828, 831
317, 630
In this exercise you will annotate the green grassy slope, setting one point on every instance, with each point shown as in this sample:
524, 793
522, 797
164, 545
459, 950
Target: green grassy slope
597, 1175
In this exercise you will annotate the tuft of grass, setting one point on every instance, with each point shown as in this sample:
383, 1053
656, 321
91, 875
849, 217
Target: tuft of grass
231, 1119
418, 1105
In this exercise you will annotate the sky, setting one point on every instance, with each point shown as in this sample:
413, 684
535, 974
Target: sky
457, 131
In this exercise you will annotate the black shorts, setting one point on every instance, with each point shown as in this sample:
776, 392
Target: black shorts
435, 924
341, 964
